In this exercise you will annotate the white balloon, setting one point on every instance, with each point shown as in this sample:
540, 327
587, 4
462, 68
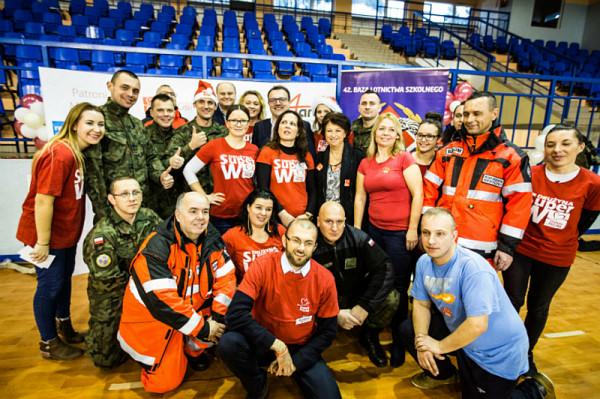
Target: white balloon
28, 132
539, 143
38, 108
33, 120
42, 133
535, 157
20, 113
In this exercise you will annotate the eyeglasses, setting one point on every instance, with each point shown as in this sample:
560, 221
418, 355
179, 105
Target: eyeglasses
278, 100
128, 194
297, 241
428, 137
238, 121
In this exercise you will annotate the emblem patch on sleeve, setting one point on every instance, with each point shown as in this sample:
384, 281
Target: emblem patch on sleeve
103, 260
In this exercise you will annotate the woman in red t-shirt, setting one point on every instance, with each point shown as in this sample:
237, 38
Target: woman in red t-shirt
252, 100
286, 168
52, 221
231, 162
393, 182
566, 201
258, 233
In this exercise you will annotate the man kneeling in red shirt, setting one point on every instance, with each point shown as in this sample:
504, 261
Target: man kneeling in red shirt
283, 316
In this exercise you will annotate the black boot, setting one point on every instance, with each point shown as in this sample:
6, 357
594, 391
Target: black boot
199, 363
397, 352
369, 339
65, 331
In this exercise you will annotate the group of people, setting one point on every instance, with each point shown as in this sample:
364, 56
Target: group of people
255, 239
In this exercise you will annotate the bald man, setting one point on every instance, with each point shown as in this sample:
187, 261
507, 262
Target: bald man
363, 277
226, 94
284, 316
181, 284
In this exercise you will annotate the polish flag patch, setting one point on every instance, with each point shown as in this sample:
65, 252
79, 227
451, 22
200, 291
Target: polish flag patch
98, 240
371, 242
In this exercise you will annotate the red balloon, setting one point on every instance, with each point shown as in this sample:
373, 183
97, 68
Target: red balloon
17, 126
39, 144
449, 98
28, 99
447, 117
463, 90
463, 96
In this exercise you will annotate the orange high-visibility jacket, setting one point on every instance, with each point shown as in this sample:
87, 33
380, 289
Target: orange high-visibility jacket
485, 182
174, 283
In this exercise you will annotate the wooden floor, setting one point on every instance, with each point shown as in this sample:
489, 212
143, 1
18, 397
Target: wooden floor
572, 362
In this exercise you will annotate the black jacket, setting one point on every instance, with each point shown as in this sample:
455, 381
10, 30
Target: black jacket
351, 158
261, 135
362, 270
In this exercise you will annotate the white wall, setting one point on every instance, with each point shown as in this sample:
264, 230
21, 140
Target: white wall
571, 25
591, 35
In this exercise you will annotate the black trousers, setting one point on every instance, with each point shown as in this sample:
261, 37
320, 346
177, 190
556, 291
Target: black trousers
544, 280
248, 365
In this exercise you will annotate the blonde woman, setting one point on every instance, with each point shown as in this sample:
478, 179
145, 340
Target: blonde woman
391, 178
255, 104
51, 223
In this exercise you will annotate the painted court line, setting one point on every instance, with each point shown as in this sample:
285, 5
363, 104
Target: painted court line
125, 385
564, 334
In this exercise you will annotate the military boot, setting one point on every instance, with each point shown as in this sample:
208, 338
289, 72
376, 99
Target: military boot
369, 339
55, 349
65, 331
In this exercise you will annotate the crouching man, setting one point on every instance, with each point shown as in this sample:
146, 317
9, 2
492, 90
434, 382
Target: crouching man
283, 316
181, 284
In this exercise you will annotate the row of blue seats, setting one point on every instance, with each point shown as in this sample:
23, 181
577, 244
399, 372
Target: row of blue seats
413, 44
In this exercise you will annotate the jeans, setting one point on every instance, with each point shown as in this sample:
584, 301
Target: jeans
248, 363
52, 298
544, 280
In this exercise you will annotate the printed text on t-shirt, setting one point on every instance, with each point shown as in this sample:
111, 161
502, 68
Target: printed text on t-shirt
289, 170
556, 211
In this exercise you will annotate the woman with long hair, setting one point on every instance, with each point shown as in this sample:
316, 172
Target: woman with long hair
322, 107
51, 223
427, 137
286, 168
255, 104
231, 160
393, 182
258, 233
337, 165
566, 201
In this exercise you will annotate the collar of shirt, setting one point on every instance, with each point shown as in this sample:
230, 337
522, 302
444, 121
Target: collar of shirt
286, 267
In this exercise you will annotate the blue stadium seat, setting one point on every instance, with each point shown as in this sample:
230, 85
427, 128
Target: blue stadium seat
134, 25
300, 78
325, 27
33, 30
136, 59
27, 53
161, 27
108, 25
126, 37
102, 60
501, 45
153, 37
93, 14
64, 57
80, 22
182, 41
447, 50
85, 56
231, 46
21, 18
186, 29
125, 8
488, 43
205, 43
66, 32
233, 65
171, 61
260, 66
386, 33
51, 21
255, 46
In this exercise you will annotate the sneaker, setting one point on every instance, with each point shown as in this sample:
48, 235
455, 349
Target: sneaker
546, 383
424, 381
65, 331
55, 349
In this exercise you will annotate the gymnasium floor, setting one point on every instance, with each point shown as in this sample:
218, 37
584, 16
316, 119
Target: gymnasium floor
572, 361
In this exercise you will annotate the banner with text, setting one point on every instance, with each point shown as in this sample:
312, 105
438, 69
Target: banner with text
62, 89
407, 93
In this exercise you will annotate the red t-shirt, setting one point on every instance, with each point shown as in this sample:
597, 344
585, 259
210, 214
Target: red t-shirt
248, 135
243, 249
232, 171
320, 143
55, 174
551, 236
288, 178
287, 304
389, 196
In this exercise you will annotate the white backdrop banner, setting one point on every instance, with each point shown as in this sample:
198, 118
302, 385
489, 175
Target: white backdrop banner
62, 89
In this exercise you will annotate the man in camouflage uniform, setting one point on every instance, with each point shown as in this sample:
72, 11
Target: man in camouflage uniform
108, 250
369, 108
124, 150
364, 278
160, 132
190, 137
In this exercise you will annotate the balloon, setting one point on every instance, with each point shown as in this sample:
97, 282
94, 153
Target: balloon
33, 120
20, 113
17, 126
42, 133
447, 117
462, 96
27, 131
30, 99
449, 98
535, 157
539, 143
38, 108
453, 105
39, 144
463, 90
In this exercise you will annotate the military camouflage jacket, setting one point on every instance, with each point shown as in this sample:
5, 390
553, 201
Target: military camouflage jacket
362, 135
124, 151
180, 139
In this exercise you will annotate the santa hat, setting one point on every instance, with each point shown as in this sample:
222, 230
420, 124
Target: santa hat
206, 91
328, 102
